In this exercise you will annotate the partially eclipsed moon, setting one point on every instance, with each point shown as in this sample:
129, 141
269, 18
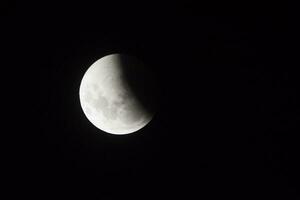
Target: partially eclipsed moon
118, 94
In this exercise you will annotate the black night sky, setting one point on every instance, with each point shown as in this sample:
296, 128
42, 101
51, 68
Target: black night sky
228, 121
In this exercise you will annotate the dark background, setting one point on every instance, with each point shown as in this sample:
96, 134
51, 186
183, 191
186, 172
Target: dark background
228, 119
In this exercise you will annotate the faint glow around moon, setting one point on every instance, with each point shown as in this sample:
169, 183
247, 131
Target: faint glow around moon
108, 96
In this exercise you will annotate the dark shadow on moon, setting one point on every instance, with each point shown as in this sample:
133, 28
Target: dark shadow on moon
141, 81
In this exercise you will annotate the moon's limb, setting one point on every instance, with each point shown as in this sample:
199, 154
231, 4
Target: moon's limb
109, 101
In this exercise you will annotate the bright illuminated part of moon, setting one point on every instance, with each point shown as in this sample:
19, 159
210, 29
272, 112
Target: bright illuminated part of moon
112, 95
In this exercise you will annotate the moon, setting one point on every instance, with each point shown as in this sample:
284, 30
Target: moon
118, 94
